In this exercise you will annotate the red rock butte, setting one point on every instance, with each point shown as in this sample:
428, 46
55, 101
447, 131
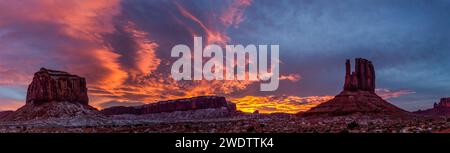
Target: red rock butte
57, 86
358, 96
439, 109
363, 78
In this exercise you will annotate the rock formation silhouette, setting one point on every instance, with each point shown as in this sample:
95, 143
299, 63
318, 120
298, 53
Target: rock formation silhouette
363, 78
54, 94
358, 96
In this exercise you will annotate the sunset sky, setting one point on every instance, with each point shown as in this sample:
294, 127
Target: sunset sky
123, 47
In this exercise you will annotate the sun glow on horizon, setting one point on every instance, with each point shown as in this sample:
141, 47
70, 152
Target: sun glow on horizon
278, 104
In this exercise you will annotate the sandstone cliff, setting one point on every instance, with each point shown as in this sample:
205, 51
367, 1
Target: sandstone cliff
363, 78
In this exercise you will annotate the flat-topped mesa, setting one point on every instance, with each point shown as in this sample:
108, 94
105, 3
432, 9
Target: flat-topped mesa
56, 86
363, 78
195, 103
358, 97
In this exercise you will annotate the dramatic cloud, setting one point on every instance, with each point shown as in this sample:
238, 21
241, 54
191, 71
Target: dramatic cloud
212, 35
65, 35
60, 34
388, 94
233, 15
157, 83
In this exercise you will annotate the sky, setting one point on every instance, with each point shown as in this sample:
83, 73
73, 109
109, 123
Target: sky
122, 48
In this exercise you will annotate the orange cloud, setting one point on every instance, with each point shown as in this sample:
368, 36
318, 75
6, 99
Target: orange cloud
212, 35
145, 59
76, 41
159, 86
80, 18
278, 104
115, 76
388, 94
234, 14
84, 20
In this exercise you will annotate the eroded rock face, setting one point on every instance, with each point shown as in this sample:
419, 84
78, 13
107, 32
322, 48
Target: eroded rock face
56, 86
356, 102
195, 103
363, 78
439, 109
358, 96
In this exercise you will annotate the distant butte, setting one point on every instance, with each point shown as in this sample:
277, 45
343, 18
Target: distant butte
439, 109
358, 96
